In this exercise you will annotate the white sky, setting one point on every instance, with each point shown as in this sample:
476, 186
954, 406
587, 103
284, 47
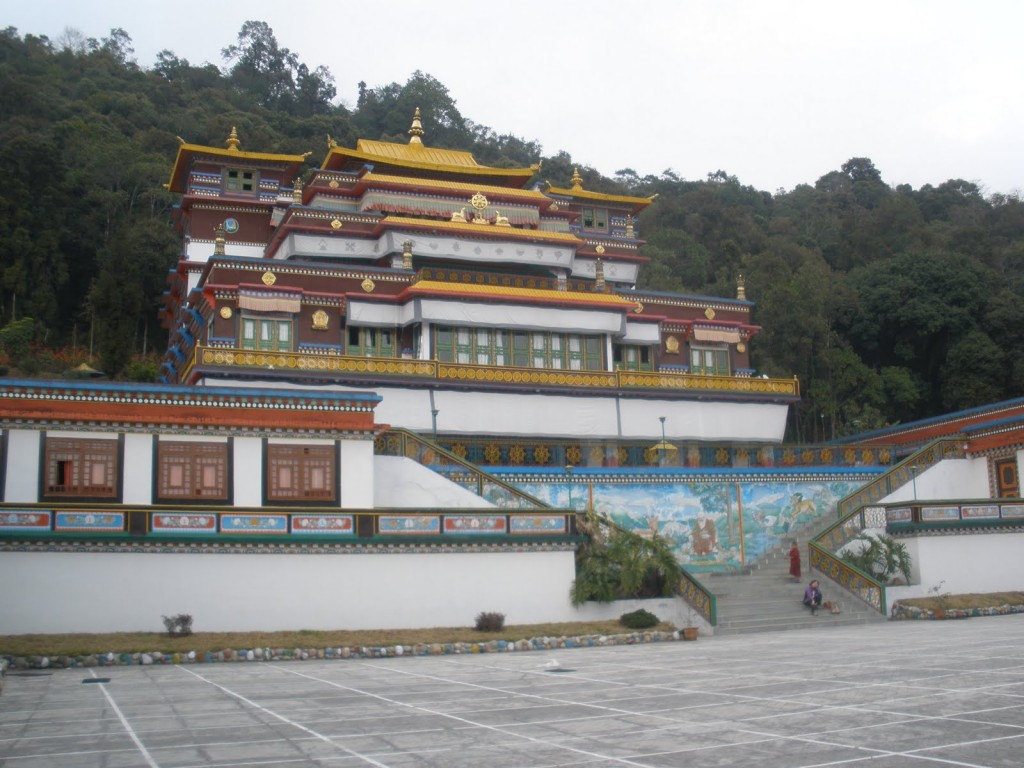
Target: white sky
776, 92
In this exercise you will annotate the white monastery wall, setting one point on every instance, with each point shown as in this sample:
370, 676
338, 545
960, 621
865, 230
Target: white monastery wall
21, 480
138, 469
509, 414
266, 592
248, 472
963, 564
401, 482
949, 479
356, 472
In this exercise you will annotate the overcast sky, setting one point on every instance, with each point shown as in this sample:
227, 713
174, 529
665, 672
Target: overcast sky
776, 92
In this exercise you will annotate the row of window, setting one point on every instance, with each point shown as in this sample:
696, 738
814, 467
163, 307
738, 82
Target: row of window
491, 346
521, 349
189, 471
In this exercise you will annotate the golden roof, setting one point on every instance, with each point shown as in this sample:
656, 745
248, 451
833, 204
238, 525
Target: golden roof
482, 229
186, 152
577, 191
417, 155
541, 294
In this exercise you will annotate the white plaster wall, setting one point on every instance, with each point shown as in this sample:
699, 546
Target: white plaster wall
22, 473
949, 479
248, 472
402, 482
105, 592
137, 477
503, 413
356, 469
964, 564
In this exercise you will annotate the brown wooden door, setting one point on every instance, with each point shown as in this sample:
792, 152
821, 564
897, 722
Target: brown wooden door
1007, 478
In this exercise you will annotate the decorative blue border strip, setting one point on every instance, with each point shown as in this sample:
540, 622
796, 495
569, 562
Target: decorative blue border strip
248, 523
25, 520
409, 524
90, 521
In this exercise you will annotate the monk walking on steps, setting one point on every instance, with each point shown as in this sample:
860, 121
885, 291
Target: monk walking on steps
794, 562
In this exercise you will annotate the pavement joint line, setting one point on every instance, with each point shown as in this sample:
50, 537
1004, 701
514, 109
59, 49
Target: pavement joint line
467, 721
127, 726
288, 721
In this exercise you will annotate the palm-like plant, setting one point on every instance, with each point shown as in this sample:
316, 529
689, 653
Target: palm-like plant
616, 563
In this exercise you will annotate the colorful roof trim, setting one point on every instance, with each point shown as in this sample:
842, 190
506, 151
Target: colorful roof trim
435, 287
480, 229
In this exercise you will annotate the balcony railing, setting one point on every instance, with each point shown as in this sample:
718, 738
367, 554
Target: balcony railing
384, 368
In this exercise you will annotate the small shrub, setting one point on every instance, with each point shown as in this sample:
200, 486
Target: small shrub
639, 619
490, 621
178, 626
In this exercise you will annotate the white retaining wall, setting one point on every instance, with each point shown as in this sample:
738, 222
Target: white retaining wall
112, 592
963, 564
949, 479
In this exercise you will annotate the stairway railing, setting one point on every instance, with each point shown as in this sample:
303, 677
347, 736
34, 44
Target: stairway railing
857, 514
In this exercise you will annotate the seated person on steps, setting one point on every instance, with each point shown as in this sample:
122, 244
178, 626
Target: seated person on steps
812, 597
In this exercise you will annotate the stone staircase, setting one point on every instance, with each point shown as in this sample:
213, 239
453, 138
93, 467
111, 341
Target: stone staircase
765, 598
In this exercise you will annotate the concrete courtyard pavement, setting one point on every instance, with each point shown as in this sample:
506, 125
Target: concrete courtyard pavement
886, 696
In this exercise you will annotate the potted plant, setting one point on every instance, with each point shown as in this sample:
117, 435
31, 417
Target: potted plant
690, 630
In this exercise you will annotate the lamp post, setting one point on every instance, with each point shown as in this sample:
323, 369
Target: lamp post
568, 480
661, 448
433, 419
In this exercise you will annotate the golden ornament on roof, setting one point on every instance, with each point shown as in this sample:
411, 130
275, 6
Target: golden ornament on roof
269, 278
368, 285
709, 313
478, 201
336, 224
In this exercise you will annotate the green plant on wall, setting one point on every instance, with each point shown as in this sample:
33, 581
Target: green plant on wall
617, 564
879, 556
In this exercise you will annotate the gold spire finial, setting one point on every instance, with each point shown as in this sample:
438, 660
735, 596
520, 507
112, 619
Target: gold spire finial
407, 254
331, 143
219, 236
741, 288
297, 192
577, 180
416, 131
233, 141
629, 226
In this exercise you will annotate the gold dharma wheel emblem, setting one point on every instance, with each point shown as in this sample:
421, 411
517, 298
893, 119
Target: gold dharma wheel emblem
478, 201
368, 285
226, 313
269, 278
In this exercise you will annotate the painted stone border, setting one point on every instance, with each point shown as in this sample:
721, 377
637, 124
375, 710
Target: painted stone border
910, 612
343, 652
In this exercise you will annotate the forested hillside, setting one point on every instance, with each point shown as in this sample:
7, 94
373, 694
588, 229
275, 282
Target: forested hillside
888, 303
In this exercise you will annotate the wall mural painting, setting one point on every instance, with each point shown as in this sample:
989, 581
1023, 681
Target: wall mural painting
702, 519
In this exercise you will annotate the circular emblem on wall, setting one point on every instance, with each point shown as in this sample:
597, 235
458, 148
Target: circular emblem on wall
741, 347
478, 201
709, 313
231, 226
269, 278
368, 285
226, 313
319, 320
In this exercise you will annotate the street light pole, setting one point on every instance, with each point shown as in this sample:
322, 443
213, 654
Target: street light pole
568, 480
433, 418
661, 448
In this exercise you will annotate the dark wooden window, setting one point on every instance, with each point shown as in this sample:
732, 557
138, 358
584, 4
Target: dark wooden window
190, 470
243, 180
81, 467
301, 473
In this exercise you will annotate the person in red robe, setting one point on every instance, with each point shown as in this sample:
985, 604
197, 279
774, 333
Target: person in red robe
794, 562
